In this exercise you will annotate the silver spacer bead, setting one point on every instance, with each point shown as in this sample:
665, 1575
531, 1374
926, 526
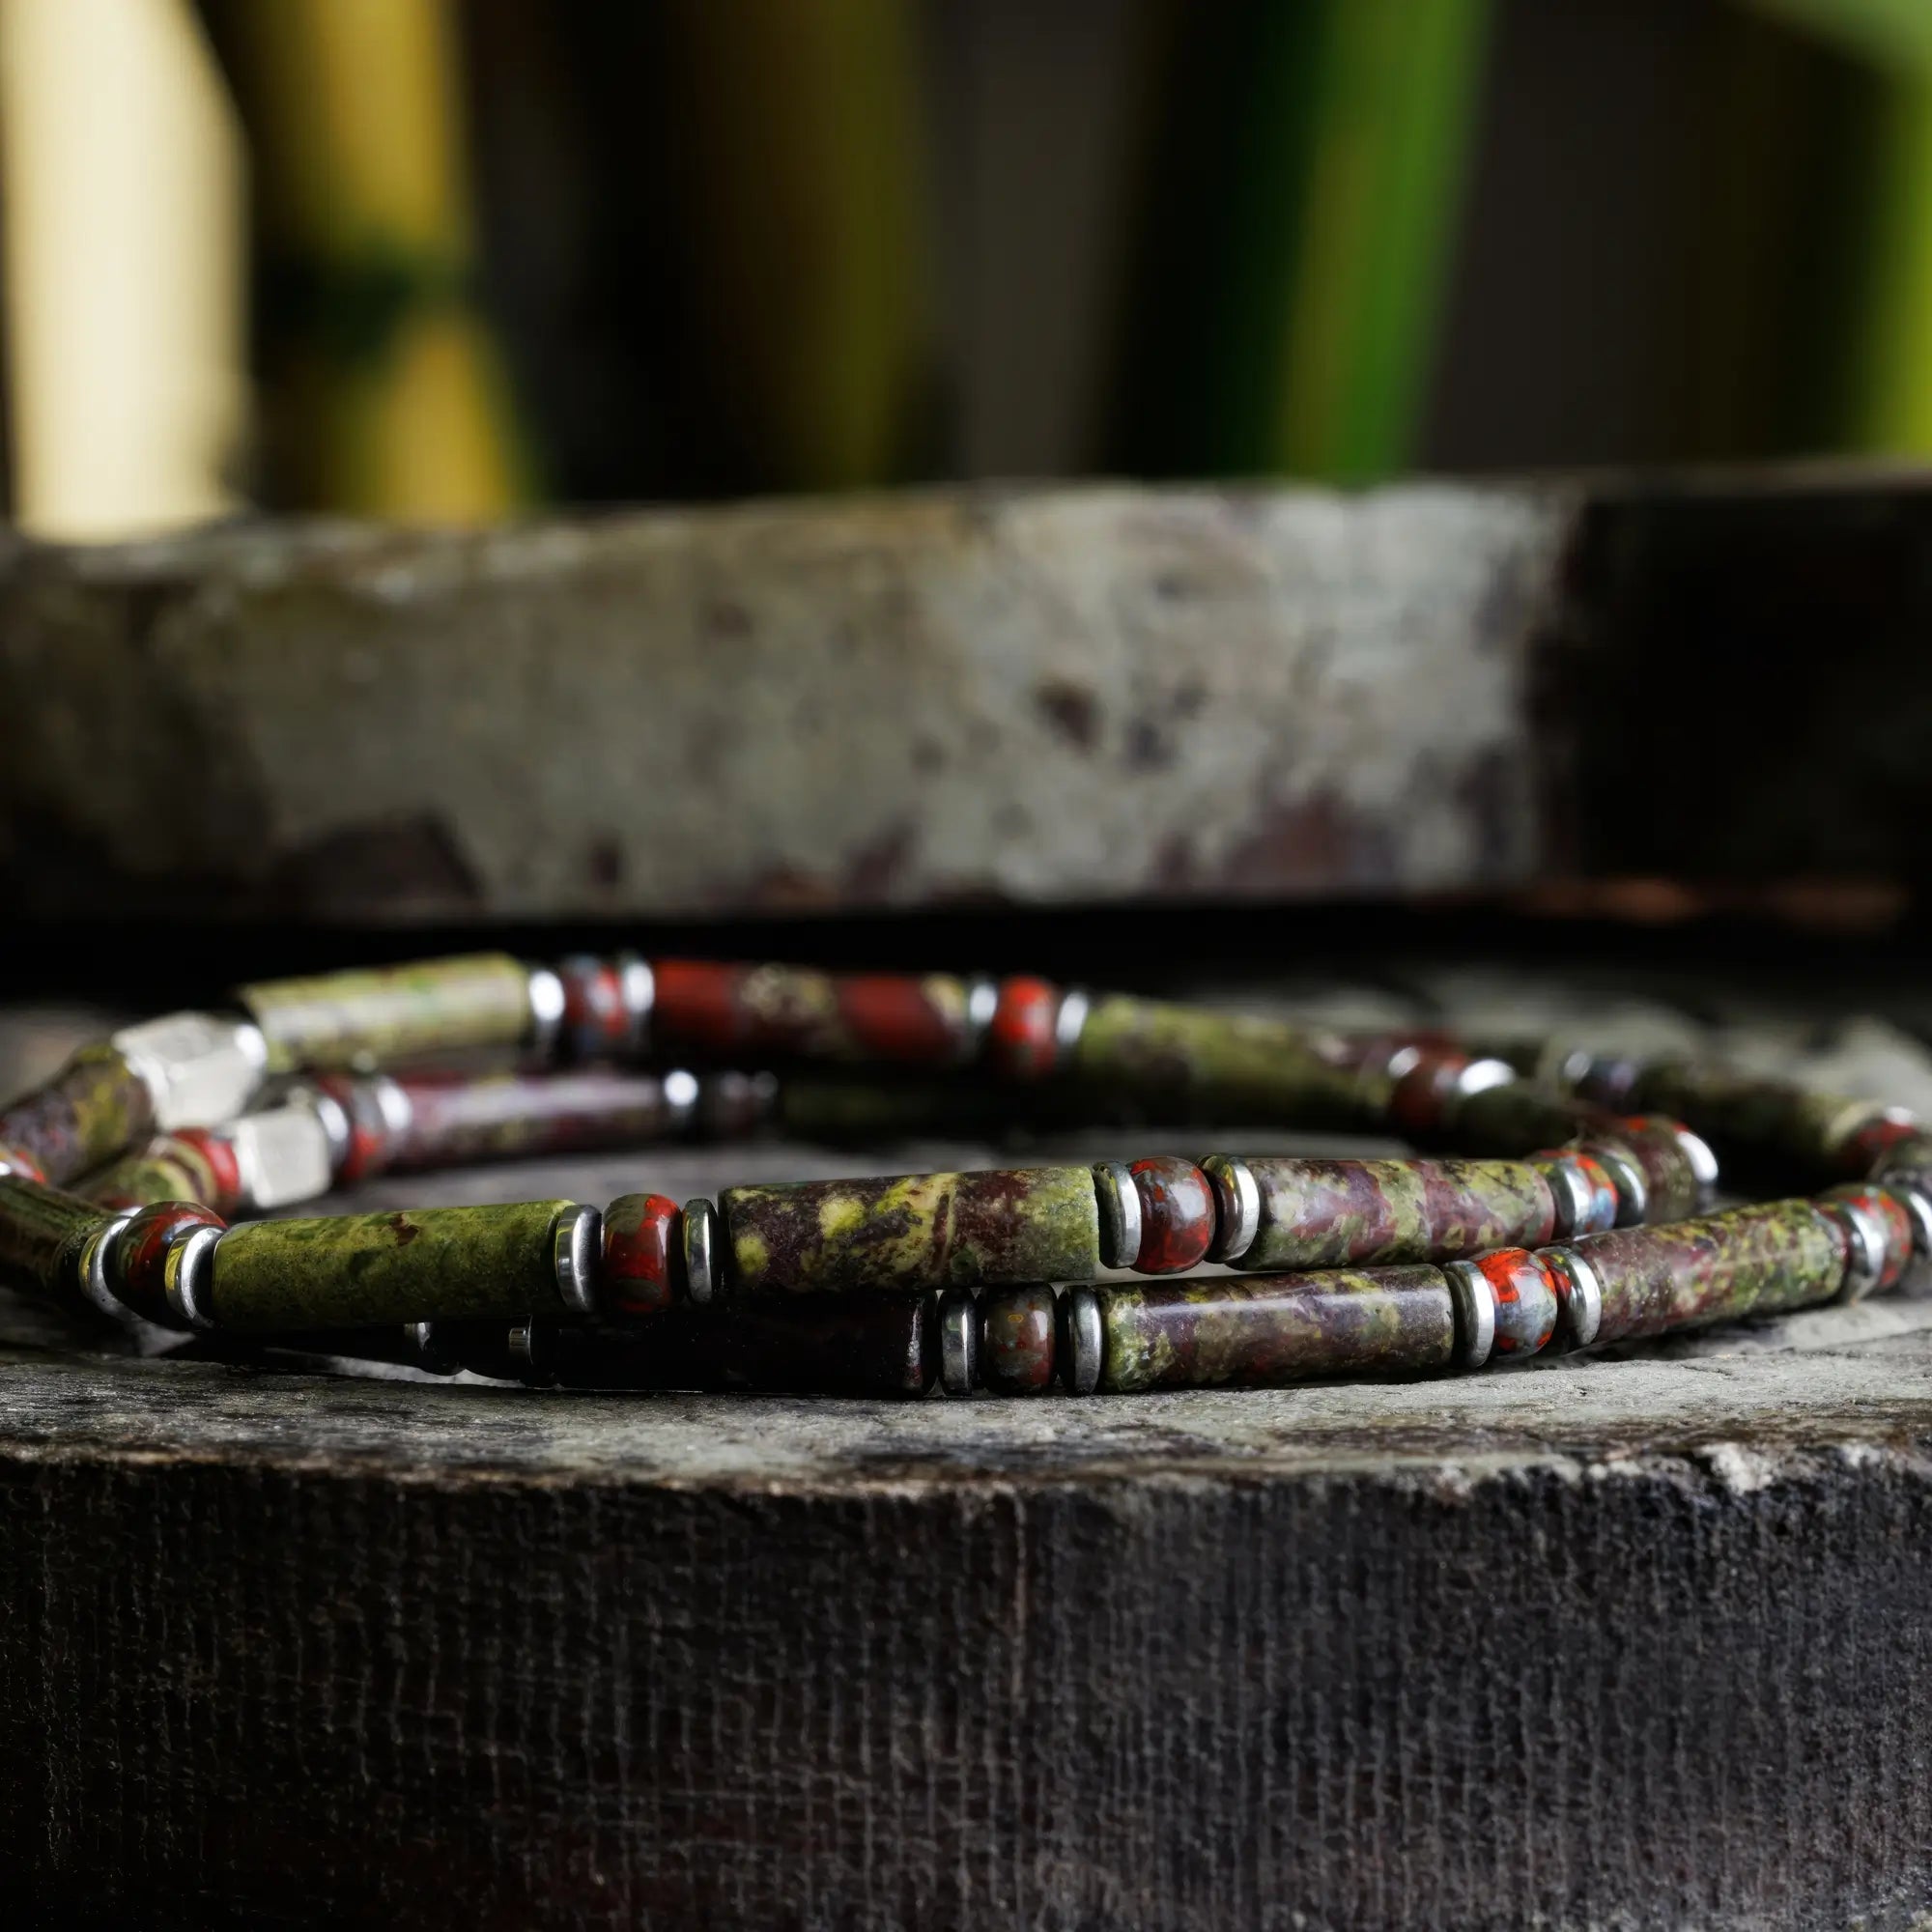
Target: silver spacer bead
333, 1115
1915, 1197
958, 1342
1579, 1291
95, 1257
428, 1343
681, 1091
701, 1250
1475, 1303
1081, 1340
1703, 1164
188, 1275
640, 986
1866, 1247
982, 1002
1237, 1207
546, 995
1626, 1176
575, 1243
1120, 1203
1570, 1190
1480, 1075
531, 1350
1069, 1023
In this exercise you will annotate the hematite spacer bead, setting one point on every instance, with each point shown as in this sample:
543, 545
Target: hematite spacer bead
596, 1021
1237, 1207
1864, 1244
701, 1250
1703, 1163
1475, 1302
91, 1272
1017, 1339
1579, 1295
531, 1348
548, 1000
1078, 1344
1120, 1204
186, 1273
683, 1092
1585, 1195
1633, 1191
640, 987
1070, 1022
982, 1002
1178, 1220
958, 1342
573, 1243
1914, 1194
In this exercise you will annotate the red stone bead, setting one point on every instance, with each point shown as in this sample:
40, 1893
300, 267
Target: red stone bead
1176, 1214
1889, 1210
1021, 1041
1016, 1334
1425, 1088
140, 1255
216, 1154
369, 1137
894, 1017
1525, 1300
596, 1020
642, 1239
697, 1005
14, 1161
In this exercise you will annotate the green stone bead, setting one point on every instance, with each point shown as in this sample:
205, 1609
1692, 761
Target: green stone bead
392, 1014
40, 1228
912, 1232
353, 1271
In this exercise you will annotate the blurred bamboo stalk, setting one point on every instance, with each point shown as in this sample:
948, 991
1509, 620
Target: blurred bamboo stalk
802, 205
388, 393
124, 248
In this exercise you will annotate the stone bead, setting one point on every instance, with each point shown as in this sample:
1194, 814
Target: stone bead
643, 1254
1758, 1260
211, 1154
1425, 1088
1674, 1188
357, 1270
458, 1120
1268, 1330
14, 1161
912, 1232
40, 1231
392, 1014
1765, 1126
598, 1023
1525, 1301
1016, 1327
1230, 1065
91, 1112
1178, 1218
1516, 1117
722, 1011
881, 1345
136, 1270
1335, 1214
155, 1173
1907, 1150
1023, 1040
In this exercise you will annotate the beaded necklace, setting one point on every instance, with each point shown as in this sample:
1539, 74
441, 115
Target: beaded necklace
1565, 1200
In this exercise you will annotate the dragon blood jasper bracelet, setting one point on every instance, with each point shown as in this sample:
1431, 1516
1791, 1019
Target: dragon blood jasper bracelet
1550, 1208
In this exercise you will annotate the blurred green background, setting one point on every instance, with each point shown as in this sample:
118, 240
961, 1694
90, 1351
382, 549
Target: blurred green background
451, 259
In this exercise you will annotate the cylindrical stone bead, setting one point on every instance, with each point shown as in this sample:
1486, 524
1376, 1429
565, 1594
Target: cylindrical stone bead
1023, 1037
912, 1232
393, 1014
643, 1256
1213, 1062
1176, 1214
1425, 1088
1783, 1254
188, 1166
1891, 1135
41, 1227
1516, 1117
1891, 1212
1016, 1340
1334, 1213
91, 1112
845, 1345
357, 1270
1764, 1124
135, 1270
458, 1120
720, 1012
1525, 1301
1264, 1331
